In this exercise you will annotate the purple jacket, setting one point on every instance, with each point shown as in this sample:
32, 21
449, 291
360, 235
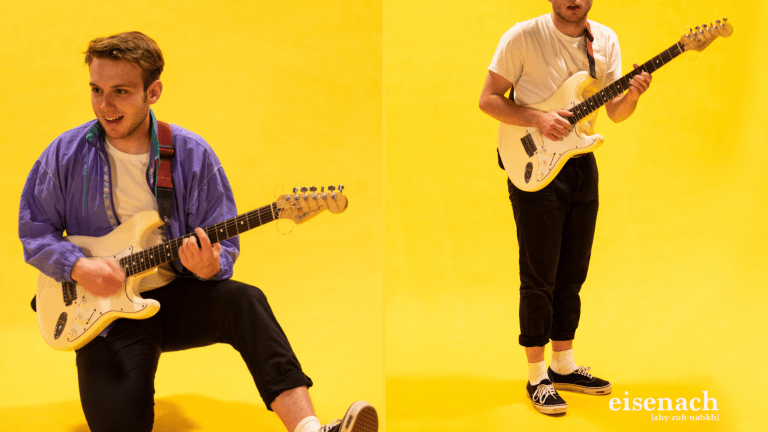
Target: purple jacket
69, 189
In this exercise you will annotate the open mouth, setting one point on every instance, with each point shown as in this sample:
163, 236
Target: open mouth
573, 8
113, 120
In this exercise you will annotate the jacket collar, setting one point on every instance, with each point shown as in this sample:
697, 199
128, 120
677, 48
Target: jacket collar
95, 136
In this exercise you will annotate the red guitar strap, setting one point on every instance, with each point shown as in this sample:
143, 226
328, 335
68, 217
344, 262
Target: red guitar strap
590, 53
165, 171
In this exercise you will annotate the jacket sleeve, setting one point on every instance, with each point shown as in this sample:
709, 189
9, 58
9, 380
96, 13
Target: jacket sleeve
211, 201
42, 224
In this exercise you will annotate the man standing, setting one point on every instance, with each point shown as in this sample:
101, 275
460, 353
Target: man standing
555, 225
98, 175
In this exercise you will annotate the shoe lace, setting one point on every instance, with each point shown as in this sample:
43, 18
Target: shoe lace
543, 391
334, 426
584, 371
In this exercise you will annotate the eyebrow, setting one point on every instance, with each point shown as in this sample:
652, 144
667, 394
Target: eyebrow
92, 84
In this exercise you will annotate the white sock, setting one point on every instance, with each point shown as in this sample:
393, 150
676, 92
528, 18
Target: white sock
309, 424
562, 362
537, 372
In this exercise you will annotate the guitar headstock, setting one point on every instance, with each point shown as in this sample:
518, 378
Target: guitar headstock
305, 203
699, 38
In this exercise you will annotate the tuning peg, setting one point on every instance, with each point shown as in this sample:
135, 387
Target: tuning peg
295, 190
331, 188
341, 188
313, 188
304, 189
322, 189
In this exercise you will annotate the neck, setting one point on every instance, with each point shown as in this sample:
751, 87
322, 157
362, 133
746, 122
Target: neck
568, 28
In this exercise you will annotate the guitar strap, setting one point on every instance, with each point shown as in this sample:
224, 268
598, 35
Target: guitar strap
590, 54
165, 171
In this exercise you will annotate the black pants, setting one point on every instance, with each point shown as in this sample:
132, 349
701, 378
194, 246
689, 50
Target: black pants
116, 373
555, 229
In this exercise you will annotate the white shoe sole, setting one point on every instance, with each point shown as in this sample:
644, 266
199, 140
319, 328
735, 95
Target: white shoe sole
597, 391
547, 409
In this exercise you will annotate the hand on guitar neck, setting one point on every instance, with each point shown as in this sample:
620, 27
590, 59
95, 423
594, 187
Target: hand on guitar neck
203, 260
102, 277
622, 106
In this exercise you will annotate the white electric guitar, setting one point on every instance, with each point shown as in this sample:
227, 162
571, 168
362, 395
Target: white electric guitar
533, 160
70, 317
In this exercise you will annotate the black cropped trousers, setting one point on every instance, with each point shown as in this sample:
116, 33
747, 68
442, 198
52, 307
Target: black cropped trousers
555, 229
116, 373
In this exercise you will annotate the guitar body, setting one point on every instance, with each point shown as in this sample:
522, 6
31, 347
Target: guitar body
530, 159
69, 316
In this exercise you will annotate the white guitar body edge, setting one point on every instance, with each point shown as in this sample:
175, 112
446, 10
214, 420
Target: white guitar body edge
71, 326
532, 173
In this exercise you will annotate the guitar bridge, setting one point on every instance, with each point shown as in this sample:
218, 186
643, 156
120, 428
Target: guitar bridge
528, 145
69, 290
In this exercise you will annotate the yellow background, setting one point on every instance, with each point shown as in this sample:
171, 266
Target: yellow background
674, 304
286, 93
292, 93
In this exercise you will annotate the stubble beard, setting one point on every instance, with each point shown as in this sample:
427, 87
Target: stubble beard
135, 122
576, 21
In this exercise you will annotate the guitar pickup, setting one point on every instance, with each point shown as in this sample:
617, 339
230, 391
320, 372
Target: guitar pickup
528, 145
69, 290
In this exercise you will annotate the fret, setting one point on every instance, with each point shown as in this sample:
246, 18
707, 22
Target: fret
230, 227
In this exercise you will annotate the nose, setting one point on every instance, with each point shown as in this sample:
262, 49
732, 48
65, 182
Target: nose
107, 101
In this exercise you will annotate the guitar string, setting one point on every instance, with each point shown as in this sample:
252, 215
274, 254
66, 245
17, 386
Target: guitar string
614, 89
168, 251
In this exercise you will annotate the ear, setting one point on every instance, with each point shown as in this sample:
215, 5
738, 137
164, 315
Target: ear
154, 91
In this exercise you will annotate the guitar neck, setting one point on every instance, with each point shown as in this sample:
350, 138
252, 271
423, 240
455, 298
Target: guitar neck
169, 251
621, 85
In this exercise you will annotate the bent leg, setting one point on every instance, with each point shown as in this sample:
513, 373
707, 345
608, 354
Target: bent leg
198, 313
116, 377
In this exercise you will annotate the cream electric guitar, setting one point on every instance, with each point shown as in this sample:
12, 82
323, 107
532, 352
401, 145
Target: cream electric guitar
532, 160
70, 317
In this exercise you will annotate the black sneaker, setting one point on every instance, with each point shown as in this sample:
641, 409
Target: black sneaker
360, 417
544, 398
580, 381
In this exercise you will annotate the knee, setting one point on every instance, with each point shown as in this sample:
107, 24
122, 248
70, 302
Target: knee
240, 295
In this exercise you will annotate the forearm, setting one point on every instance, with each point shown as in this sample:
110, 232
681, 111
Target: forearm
621, 107
507, 111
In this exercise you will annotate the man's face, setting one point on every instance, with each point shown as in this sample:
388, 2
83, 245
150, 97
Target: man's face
118, 98
572, 11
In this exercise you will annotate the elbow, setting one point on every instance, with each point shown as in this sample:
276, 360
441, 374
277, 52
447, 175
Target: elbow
484, 104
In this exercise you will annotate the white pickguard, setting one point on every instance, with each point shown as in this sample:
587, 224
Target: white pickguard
534, 172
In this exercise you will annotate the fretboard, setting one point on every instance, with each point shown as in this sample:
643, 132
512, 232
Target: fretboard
169, 251
621, 85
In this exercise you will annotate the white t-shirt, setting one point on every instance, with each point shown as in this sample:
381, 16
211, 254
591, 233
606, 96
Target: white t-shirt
131, 194
537, 58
